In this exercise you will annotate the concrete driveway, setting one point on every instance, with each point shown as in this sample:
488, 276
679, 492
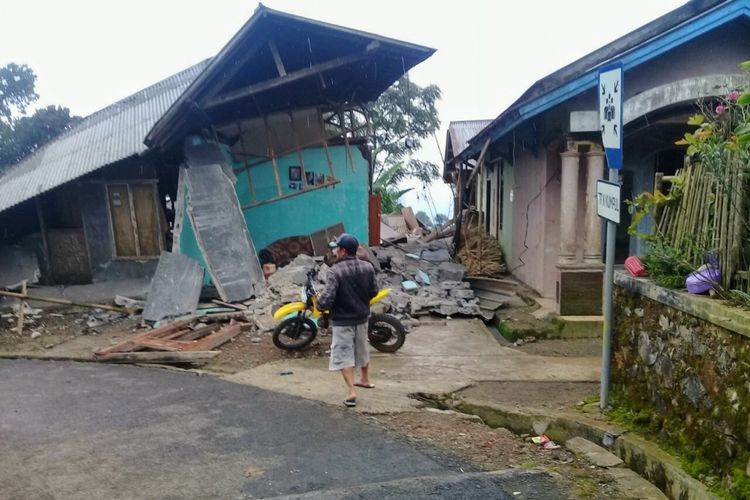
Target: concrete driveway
437, 358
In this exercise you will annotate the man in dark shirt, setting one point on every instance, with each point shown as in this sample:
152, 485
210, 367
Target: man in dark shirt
350, 286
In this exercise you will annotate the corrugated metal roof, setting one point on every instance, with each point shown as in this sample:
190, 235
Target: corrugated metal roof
459, 134
581, 74
111, 134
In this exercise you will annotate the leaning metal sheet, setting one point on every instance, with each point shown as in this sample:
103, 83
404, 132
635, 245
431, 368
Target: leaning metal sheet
222, 232
175, 287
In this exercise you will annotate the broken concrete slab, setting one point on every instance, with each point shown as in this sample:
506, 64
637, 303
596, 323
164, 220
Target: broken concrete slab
294, 276
593, 452
441, 255
455, 285
175, 288
390, 235
451, 271
634, 486
462, 293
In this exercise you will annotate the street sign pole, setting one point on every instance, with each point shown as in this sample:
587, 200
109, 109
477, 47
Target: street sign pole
609, 291
611, 123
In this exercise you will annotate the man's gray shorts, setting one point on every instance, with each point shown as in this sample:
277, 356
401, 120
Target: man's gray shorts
349, 347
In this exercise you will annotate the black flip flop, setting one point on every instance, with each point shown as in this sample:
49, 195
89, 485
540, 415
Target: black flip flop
350, 403
366, 386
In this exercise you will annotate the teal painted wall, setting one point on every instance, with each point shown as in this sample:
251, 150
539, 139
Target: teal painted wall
307, 212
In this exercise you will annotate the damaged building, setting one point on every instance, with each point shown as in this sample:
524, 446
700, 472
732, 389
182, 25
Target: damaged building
255, 155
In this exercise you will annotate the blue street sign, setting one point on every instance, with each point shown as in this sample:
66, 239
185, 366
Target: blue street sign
610, 112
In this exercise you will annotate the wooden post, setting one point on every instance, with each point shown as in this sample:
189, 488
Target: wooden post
21, 309
273, 156
325, 142
45, 248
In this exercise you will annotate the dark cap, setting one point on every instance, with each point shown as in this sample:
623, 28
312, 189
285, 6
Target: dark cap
348, 243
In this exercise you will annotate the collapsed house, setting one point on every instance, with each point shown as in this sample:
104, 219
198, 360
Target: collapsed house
255, 155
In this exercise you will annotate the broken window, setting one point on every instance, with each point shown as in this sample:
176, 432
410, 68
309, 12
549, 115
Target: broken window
136, 227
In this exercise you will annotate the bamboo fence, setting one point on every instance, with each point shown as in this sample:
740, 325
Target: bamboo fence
710, 215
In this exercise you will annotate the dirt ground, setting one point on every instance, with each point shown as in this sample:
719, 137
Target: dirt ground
248, 350
494, 449
72, 330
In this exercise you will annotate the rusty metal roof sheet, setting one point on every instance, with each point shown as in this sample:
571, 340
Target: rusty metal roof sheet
102, 138
459, 134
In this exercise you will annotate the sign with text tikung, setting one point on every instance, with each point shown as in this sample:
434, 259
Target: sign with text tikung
608, 201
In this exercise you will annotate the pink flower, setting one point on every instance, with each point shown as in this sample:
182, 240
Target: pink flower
720, 109
733, 96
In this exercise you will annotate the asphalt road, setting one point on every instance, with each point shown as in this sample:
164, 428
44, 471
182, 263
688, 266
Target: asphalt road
90, 431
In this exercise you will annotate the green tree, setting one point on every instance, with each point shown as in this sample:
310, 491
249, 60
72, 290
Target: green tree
401, 119
424, 218
389, 194
440, 219
16, 90
21, 135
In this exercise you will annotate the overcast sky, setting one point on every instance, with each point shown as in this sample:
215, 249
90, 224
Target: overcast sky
89, 54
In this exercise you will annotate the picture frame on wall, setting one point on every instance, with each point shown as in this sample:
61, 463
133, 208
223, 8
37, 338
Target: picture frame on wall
310, 177
295, 174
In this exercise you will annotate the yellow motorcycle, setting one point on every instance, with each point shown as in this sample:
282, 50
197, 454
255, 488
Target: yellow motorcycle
298, 325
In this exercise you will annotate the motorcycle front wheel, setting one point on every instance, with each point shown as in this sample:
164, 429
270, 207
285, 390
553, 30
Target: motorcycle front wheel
294, 333
386, 333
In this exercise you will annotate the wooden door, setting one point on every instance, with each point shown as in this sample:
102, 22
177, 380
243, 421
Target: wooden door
122, 220
147, 224
135, 223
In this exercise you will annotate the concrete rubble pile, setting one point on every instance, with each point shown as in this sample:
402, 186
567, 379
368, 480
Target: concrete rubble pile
423, 280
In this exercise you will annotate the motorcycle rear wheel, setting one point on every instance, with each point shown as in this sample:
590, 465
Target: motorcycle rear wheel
386, 333
295, 333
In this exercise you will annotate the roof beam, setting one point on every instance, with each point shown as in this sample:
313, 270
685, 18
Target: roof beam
294, 76
277, 58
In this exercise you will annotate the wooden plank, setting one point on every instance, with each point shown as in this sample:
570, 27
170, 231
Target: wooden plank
157, 345
294, 76
65, 302
277, 58
45, 245
158, 357
158, 333
122, 224
411, 220
200, 332
272, 155
291, 195
147, 225
179, 210
21, 308
217, 338
237, 307
320, 241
